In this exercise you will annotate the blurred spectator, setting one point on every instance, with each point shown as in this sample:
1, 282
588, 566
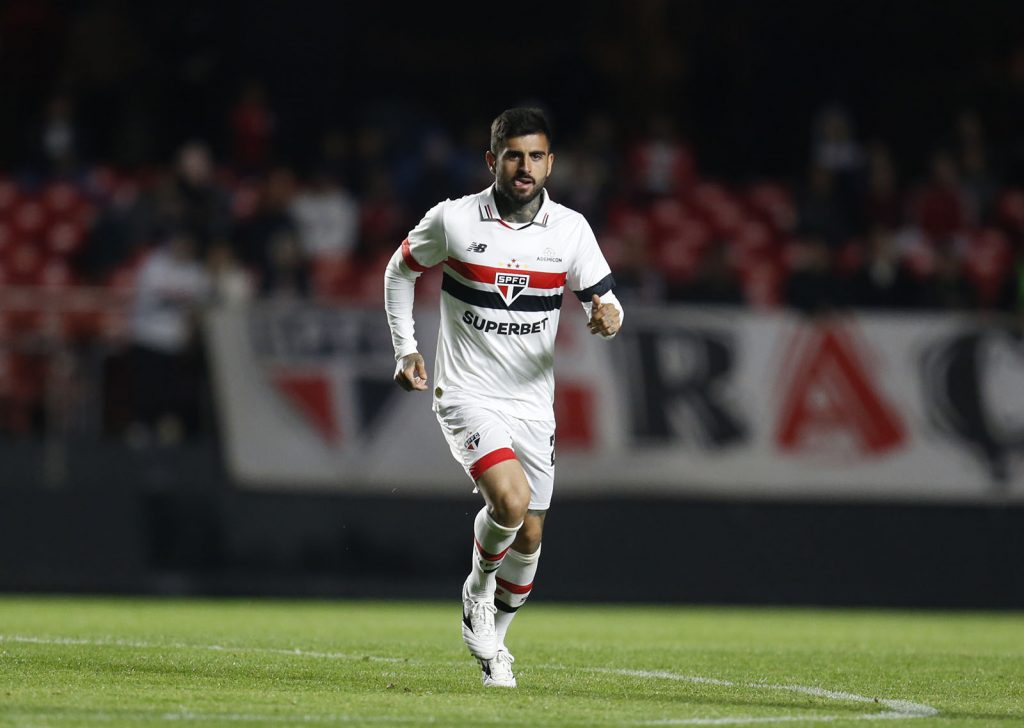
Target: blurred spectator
819, 213
660, 164
124, 226
383, 225
287, 274
327, 217
978, 188
939, 208
166, 365
231, 284
836, 151
947, 288
883, 279
59, 138
252, 127
812, 286
585, 168
834, 147
883, 200
254, 237
188, 200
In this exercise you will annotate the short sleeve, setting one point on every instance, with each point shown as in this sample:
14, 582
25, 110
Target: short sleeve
589, 272
427, 244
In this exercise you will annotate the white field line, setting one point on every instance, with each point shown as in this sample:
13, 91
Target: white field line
897, 709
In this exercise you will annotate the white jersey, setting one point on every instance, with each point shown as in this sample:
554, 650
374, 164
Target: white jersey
501, 296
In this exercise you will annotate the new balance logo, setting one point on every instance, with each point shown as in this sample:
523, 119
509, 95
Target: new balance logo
477, 247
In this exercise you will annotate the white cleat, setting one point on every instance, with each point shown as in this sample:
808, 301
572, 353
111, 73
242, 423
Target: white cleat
478, 625
497, 672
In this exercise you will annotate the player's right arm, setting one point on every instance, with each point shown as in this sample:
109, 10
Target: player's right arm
425, 247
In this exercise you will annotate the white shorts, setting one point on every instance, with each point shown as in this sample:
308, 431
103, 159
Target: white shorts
481, 438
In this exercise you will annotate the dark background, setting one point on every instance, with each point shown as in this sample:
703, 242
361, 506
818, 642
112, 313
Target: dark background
742, 83
743, 80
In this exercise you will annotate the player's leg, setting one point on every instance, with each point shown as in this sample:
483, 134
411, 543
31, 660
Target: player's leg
535, 449
506, 495
481, 441
518, 569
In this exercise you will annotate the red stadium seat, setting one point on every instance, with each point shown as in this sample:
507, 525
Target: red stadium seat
7, 239
64, 238
61, 198
55, 273
29, 217
775, 204
717, 206
24, 264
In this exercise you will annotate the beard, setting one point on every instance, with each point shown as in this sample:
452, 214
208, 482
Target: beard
520, 197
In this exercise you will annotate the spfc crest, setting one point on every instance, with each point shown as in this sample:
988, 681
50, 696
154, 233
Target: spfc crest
511, 285
472, 441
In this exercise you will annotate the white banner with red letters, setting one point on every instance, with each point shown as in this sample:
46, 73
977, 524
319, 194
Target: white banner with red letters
685, 401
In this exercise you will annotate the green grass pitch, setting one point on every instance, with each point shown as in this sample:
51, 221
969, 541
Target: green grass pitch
132, 662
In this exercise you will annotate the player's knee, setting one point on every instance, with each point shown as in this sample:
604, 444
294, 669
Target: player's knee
509, 506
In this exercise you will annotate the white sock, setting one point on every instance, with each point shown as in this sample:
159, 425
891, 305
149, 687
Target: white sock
514, 584
490, 544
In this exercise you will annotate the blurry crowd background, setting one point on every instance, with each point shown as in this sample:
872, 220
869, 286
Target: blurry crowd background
158, 158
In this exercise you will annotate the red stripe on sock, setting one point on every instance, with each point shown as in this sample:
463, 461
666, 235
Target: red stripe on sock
514, 588
489, 557
491, 459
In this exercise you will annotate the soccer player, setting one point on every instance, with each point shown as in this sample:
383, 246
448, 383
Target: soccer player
508, 252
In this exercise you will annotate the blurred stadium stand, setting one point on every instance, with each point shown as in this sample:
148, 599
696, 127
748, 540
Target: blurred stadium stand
290, 171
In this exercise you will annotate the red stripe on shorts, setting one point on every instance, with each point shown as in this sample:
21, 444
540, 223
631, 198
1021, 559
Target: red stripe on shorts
489, 460
514, 588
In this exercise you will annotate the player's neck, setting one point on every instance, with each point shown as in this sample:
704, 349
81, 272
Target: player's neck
511, 211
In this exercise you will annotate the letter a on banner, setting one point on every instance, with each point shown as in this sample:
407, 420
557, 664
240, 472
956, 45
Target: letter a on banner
830, 392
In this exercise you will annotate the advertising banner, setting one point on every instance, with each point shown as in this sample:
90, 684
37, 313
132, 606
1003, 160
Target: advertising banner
685, 401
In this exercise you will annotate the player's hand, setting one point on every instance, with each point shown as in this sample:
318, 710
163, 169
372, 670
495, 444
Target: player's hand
604, 318
411, 373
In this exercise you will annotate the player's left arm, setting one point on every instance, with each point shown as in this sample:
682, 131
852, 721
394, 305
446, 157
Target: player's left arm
590, 278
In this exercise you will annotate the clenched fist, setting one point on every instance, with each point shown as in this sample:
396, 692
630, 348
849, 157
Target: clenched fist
604, 318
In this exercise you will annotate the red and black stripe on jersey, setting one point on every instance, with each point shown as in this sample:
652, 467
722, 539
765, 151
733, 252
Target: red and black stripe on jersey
491, 299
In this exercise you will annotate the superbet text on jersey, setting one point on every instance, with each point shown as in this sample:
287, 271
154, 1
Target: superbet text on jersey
501, 295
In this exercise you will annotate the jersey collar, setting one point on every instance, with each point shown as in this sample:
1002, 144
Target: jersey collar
489, 210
